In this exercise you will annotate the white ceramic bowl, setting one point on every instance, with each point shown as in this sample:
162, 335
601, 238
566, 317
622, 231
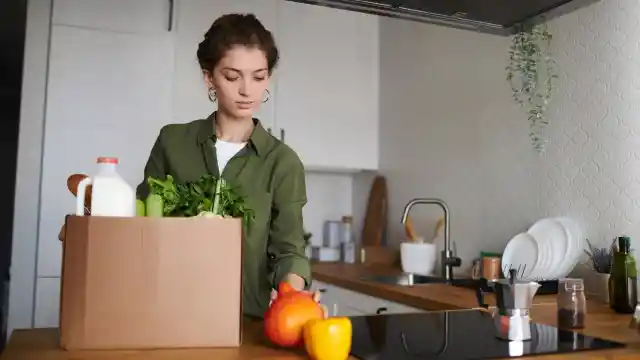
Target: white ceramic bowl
418, 258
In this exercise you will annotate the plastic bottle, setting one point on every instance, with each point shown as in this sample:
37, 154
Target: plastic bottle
111, 195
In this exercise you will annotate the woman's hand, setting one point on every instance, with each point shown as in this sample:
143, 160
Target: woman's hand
297, 283
61, 233
316, 298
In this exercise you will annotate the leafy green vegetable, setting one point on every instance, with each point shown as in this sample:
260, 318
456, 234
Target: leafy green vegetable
214, 197
166, 189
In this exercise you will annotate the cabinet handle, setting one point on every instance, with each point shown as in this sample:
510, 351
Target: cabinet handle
170, 27
381, 310
282, 135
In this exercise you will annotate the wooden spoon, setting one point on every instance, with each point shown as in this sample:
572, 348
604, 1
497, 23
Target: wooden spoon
439, 227
72, 184
409, 231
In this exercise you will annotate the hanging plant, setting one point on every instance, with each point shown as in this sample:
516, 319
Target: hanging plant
531, 74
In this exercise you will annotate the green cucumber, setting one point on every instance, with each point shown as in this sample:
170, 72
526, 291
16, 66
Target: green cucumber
140, 208
155, 205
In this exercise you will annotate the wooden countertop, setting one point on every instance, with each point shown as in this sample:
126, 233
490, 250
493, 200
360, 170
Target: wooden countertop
42, 344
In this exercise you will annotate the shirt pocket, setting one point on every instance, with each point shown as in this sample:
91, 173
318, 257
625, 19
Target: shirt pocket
258, 228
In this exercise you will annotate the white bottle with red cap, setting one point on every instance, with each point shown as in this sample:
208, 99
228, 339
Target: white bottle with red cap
110, 194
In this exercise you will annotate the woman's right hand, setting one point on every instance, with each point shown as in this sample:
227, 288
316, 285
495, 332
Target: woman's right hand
316, 297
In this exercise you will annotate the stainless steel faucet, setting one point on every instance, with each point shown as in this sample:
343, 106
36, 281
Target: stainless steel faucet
449, 261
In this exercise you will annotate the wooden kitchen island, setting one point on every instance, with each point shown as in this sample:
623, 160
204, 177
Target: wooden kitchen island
42, 344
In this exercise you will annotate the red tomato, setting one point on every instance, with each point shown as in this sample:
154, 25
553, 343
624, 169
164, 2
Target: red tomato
290, 311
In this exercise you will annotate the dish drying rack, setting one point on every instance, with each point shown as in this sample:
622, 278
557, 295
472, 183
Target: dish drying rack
547, 286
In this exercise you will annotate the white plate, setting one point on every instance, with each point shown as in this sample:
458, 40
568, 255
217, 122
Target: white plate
545, 257
521, 254
551, 236
574, 250
561, 247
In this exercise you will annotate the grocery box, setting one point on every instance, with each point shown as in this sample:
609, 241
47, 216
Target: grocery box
144, 282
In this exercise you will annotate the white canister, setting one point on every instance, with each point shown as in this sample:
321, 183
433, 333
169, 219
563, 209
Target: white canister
110, 195
332, 234
418, 258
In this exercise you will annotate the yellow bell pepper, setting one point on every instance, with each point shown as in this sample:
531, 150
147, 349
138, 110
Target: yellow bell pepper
328, 339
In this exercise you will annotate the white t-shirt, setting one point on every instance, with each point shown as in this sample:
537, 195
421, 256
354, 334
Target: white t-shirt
225, 151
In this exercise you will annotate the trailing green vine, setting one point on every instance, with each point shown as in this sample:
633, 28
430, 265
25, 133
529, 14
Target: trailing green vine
531, 73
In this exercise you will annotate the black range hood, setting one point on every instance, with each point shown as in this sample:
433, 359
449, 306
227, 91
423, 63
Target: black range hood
501, 17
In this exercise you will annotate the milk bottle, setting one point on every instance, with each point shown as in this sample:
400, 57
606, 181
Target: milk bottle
111, 195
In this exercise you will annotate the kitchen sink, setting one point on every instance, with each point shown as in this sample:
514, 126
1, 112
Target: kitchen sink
408, 279
549, 287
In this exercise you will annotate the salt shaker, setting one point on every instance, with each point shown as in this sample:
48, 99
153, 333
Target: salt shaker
572, 304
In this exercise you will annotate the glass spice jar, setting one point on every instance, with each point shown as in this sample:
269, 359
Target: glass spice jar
572, 304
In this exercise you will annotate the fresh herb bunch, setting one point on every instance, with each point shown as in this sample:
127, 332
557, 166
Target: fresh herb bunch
206, 196
601, 258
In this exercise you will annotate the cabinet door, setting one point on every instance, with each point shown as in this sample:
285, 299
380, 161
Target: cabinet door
327, 295
339, 310
108, 94
358, 303
333, 298
129, 16
327, 90
193, 19
47, 310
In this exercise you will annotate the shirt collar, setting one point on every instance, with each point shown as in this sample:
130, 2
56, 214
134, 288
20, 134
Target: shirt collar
259, 139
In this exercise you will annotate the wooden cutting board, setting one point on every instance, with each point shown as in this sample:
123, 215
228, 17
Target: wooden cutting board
375, 220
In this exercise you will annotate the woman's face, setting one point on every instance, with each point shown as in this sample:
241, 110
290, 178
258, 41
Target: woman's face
240, 80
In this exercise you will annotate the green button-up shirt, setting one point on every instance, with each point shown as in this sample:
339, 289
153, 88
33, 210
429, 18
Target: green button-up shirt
271, 177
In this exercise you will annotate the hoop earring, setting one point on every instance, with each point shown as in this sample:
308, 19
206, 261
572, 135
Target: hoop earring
212, 95
268, 96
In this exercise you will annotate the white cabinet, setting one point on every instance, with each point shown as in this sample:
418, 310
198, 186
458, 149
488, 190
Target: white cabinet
351, 303
127, 16
108, 94
47, 309
193, 19
327, 88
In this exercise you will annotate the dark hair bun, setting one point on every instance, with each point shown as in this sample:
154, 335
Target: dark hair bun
231, 30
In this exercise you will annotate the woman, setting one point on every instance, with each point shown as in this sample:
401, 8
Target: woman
237, 58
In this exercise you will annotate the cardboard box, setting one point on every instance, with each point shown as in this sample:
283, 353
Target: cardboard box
142, 282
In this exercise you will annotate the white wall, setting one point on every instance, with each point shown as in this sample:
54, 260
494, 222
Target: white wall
592, 169
450, 130
329, 198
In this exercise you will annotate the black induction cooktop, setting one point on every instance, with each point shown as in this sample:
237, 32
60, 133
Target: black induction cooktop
457, 335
